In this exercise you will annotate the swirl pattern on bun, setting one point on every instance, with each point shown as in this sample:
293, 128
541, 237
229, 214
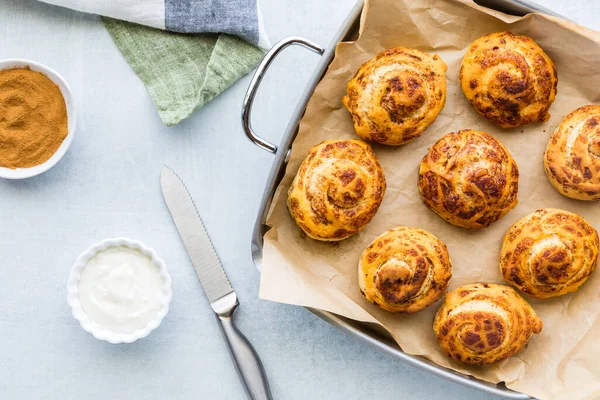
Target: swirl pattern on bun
469, 179
484, 323
396, 95
509, 79
404, 270
337, 190
549, 253
572, 158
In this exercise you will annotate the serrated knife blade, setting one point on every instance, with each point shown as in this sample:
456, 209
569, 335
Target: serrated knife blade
197, 242
215, 283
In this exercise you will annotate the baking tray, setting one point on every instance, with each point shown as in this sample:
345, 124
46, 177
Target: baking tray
349, 32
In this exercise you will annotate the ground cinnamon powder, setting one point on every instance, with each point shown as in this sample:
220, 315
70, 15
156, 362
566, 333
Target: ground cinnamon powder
33, 118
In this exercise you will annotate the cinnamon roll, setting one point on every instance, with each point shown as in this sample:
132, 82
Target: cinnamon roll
469, 179
396, 95
572, 158
337, 190
509, 79
404, 270
484, 323
549, 253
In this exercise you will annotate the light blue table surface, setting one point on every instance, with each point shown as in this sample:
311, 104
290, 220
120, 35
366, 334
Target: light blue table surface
107, 185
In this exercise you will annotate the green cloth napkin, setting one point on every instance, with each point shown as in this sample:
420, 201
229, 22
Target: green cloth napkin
182, 72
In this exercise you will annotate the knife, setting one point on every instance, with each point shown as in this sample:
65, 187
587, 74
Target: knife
221, 296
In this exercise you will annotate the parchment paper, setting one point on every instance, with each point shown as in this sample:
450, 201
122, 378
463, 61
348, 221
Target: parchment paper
564, 360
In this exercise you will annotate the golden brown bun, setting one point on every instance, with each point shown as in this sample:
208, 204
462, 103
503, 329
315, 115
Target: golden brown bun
549, 253
509, 79
396, 95
484, 323
337, 189
469, 179
404, 270
572, 158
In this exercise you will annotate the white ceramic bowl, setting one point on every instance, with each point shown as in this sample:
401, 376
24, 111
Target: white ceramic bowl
90, 326
21, 173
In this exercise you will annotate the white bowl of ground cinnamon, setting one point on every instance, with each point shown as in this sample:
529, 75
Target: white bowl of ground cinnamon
37, 118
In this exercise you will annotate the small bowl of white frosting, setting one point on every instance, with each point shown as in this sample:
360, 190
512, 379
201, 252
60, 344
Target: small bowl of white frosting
119, 290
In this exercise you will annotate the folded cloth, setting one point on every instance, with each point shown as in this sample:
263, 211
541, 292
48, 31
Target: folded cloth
183, 72
236, 17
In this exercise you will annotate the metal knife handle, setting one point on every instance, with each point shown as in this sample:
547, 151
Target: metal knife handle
247, 363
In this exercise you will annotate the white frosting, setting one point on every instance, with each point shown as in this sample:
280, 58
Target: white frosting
121, 290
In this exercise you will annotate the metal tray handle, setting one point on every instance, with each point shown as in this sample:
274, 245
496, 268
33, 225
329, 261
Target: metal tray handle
257, 79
